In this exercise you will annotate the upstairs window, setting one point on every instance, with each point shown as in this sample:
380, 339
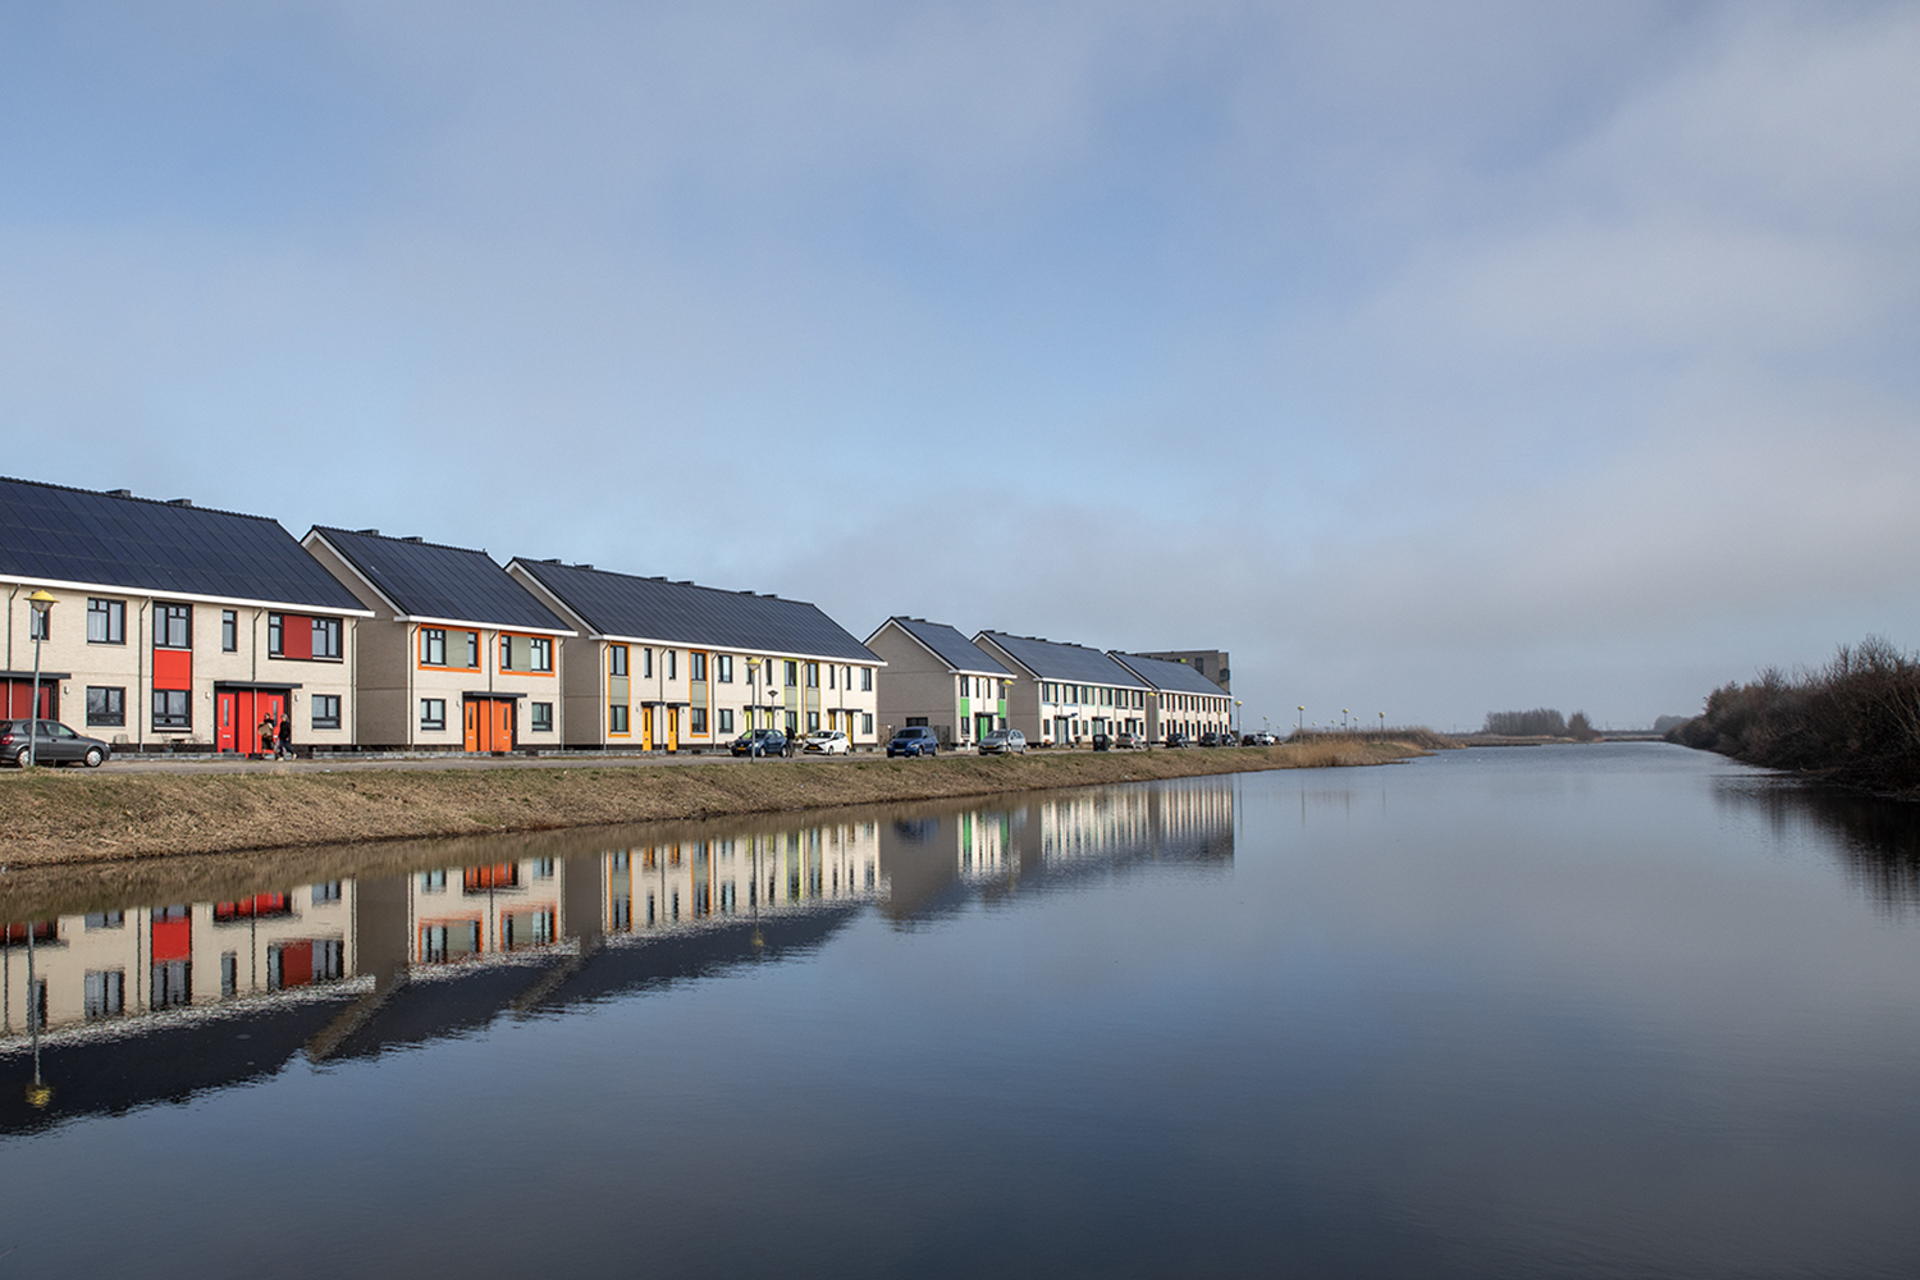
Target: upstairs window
813, 675
106, 621
229, 631
673, 661
723, 668
866, 679
173, 626
326, 638
696, 666
616, 659
793, 674
433, 647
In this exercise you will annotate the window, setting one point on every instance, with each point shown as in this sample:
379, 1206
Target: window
616, 719
792, 674
173, 626
106, 992
541, 652
793, 723
616, 659
829, 677
646, 662
673, 657
723, 668
326, 638
813, 675
696, 666
172, 709
866, 722
106, 706
229, 631
276, 634
813, 722
726, 720
866, 679
106, 920
697, 720
433, 647
326, 710
39, 624
106, 621
328, 892
433, 713
543, 717
966, 686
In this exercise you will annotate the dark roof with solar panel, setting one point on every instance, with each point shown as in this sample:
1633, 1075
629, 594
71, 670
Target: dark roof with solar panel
1176, 677
950, 646
1051, 660
619, 604
55, 534
451, 584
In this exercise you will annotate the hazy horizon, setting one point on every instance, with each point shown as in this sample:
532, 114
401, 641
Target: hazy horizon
1432, 361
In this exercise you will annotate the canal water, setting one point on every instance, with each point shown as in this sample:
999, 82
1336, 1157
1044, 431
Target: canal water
1622, 1010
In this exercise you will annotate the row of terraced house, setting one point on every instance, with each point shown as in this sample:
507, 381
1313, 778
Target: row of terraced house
176, 627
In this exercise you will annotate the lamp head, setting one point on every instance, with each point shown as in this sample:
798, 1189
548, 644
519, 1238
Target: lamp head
42, 600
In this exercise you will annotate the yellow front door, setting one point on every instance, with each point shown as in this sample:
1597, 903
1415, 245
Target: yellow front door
646, 728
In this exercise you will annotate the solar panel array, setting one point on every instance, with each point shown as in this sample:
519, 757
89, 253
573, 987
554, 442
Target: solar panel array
1051, 660
427, 580
1174, 677
138, 544
620, 604
953, 648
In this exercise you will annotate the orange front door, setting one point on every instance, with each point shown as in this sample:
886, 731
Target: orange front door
489, 724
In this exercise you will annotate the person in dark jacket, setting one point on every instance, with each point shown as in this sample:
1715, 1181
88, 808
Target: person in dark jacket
283, 750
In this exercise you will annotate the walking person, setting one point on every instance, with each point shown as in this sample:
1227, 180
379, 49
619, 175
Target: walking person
283, 749
266, 732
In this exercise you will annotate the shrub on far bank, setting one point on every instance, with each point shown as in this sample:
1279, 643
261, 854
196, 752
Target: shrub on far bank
1855, 720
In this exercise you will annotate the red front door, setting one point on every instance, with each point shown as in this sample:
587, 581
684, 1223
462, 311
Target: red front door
19, 699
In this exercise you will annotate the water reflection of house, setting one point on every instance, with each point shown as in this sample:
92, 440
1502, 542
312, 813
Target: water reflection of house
684, 882
494, 909
89, 969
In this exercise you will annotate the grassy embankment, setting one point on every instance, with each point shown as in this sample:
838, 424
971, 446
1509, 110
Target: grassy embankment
66, 816
1855, 721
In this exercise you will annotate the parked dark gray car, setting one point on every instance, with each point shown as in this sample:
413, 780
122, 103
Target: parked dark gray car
54, 744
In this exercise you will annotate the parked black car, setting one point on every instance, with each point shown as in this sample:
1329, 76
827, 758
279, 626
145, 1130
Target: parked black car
1101, 742
1211, 739
760, 742
1007, 741
1178, 740
914, 740
54, 743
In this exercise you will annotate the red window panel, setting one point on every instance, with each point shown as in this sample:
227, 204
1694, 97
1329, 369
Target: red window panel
259, 906
296, 636
172, 939
173, 669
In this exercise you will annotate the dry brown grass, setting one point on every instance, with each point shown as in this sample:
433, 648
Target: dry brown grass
68, 817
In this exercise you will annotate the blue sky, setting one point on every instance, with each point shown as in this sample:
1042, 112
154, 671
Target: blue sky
1433, 359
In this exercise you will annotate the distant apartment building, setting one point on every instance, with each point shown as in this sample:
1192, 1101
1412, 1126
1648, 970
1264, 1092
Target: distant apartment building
173, 626
1211, 663
937, 677
457, 654
663, 665
1065, 694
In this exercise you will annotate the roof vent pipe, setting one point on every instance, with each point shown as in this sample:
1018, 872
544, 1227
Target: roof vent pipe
179, 502
119, 493
416, 539
368, 533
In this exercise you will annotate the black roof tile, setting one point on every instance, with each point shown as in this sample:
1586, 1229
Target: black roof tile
1176, 677
620, 604
427, 580
1051, 660
139, 544
950, 646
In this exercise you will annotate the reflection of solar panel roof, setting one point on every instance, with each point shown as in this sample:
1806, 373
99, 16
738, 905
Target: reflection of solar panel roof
1051, 660
951, 647
620, 604
1175, 677
55, 534
426, 580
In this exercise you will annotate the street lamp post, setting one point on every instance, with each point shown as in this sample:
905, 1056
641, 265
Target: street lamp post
1300, 720
753, 669
42, 602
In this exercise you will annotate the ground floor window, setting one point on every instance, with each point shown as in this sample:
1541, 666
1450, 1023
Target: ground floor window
433, 713
543, 717
866, 722
793, 719
172, 709
813, 721
616, 720
697, 720
726, 720
106, 706
326, 710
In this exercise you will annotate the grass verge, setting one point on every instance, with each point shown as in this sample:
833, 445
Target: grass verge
68, 817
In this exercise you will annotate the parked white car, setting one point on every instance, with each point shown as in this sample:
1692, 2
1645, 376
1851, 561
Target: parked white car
828, 742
